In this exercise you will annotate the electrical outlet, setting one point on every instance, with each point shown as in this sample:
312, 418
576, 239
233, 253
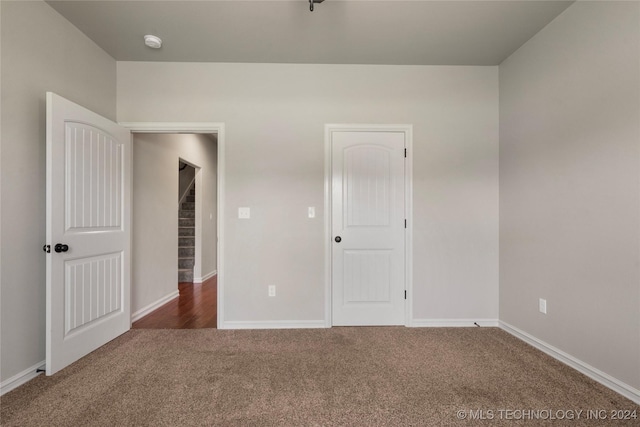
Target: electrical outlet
272, 290
542, 305
312, 212
244, 213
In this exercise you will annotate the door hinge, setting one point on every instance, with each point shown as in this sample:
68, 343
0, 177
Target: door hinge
405, 294
405, 223
47, 248
405, 152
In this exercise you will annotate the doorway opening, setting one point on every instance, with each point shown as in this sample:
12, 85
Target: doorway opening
186, 221
177, 218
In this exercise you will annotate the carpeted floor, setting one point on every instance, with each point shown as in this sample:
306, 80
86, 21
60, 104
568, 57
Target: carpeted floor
364, 376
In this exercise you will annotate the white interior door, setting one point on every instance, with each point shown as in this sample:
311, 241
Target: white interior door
368, 227
88, 231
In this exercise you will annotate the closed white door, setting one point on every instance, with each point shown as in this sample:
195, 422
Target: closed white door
88, 232
368, 226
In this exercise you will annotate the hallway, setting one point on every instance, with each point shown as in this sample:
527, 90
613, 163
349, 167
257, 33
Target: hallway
195, 308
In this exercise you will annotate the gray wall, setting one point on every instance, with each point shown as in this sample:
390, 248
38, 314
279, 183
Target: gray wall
155, 211
569, 188
275, 115
34, 62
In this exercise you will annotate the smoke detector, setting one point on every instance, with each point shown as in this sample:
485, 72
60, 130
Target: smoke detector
153, 42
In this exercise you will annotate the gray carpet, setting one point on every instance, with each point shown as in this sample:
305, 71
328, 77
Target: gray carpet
340, 376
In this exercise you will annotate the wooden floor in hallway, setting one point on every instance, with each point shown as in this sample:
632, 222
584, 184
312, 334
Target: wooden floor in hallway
195, 308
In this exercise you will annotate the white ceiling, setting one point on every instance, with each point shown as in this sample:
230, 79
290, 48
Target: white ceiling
418, 32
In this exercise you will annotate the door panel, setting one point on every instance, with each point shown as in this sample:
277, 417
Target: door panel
92, 290
367, 276
367, 180
94, 162
88, 210
368, 215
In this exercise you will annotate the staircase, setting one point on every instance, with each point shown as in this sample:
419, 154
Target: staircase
187, 237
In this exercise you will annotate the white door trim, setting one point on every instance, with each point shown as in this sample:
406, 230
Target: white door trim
199, 127
408, 189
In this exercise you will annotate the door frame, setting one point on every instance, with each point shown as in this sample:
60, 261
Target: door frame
408, 206
200, 127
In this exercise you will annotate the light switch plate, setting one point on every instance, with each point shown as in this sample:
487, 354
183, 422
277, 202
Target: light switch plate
244, 213
542, 305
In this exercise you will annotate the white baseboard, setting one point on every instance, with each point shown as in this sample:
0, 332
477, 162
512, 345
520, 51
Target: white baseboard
274, 324
452, 323
154, 305
21, 378
595, 374
205, 277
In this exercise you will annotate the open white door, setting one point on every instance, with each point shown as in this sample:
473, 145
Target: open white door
88, 231
368, 227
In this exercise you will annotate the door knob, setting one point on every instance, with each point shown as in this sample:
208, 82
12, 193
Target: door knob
59, 247
338, 239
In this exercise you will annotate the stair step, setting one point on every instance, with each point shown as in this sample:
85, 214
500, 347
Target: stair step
186, 222
186, 262
186, 242
186, 231
192, 192
185, 275
188, 206
187, 252
186, 214
191, 199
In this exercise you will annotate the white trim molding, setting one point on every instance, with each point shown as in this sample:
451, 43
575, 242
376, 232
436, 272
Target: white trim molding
197, 259
453, 323
205, 277
21, 378
172, 127
595, 374
199, 127
407, 129
154, 306
274, 324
